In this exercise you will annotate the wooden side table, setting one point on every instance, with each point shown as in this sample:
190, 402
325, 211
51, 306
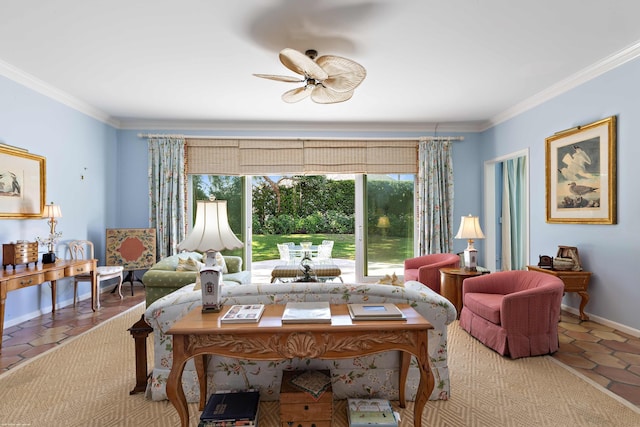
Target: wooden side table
451, 284
574, 281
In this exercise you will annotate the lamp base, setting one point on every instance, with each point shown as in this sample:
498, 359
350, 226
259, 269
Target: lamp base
210, 280
48, 258
470, 259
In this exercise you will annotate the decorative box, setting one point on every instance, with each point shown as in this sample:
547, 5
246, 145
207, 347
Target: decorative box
306, 399
19, 253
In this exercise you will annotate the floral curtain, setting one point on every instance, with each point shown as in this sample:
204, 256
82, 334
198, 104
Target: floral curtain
435, 196
167, 193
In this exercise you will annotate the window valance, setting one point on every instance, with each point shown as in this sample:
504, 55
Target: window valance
300, 156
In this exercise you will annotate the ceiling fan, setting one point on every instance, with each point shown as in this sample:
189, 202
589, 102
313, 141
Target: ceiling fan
327, 80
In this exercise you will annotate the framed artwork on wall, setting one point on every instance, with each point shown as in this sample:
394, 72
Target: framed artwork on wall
22, 183
132, 248
581, 174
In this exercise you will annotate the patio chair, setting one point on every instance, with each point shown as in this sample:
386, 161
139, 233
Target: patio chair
285, 254
324, 252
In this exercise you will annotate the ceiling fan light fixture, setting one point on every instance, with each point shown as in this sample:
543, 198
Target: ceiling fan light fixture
328, 79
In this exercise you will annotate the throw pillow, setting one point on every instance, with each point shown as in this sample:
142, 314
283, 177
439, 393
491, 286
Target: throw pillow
221, 262
390, 280
188, 264
198, 285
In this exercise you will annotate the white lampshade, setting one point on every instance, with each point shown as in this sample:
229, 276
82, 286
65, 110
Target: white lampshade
469, 228
211, 231
52, 211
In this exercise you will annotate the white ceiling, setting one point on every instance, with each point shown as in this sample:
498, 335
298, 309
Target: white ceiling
461, 64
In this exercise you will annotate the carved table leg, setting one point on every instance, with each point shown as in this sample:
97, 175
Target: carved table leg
201, 363
427, 382
584, 299
405, 359
175, 393
140, 331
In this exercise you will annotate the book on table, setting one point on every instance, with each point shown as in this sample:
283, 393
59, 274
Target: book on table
370, 412
375, 311
307, 312
243, 313
231, 409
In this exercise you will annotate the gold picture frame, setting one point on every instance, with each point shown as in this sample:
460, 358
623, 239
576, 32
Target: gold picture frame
22, 183
581, 174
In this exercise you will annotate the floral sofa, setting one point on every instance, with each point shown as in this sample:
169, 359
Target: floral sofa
163, 277
373, 375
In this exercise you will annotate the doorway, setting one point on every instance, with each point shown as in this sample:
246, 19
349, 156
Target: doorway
506, 211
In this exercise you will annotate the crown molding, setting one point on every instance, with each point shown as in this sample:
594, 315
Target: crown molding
37, 85
605, 65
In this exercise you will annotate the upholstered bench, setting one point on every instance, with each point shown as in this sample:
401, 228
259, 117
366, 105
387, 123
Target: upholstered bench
322, 271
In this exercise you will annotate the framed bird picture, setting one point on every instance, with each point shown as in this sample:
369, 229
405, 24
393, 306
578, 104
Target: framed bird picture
22, 183
581, 174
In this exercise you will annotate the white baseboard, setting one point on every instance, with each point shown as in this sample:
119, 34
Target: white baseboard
606, 322
59, 304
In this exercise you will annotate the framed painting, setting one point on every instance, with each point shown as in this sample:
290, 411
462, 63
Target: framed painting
132, 248
22, 183
581, 174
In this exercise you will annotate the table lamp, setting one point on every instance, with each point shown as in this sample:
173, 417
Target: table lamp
210, 235
51, 212
470, 230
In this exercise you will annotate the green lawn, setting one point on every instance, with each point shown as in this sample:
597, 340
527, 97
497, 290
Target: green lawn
388, 249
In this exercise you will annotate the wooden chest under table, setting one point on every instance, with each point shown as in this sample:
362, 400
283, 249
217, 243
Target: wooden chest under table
299, 409
574, 281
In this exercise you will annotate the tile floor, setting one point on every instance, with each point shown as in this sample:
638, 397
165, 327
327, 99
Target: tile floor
35, 336
608, 357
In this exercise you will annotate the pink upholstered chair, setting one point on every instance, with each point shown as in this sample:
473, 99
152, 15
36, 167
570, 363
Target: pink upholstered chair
426, 268
515, 313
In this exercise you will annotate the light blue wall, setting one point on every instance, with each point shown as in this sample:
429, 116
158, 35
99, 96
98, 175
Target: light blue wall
70, 141
605, 250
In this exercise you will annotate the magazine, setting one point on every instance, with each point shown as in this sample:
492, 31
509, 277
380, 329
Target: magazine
243, 313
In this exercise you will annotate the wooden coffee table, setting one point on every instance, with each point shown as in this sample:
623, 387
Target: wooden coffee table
200, 334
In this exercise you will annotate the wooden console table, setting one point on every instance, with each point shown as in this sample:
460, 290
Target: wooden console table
574, 281
23, 277
199, 334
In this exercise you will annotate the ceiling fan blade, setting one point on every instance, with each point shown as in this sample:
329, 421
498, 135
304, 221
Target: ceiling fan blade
280, 78
344, 74
302, 64
323, 95
298, 94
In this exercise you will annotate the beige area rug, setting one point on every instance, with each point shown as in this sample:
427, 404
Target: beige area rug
86, 382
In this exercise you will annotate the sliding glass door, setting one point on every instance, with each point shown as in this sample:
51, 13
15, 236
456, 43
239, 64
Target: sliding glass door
370, 218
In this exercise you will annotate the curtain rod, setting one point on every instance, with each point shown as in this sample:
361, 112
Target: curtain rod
420, 138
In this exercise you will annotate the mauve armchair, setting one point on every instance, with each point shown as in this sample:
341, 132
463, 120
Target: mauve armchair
516, 313
426, 268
